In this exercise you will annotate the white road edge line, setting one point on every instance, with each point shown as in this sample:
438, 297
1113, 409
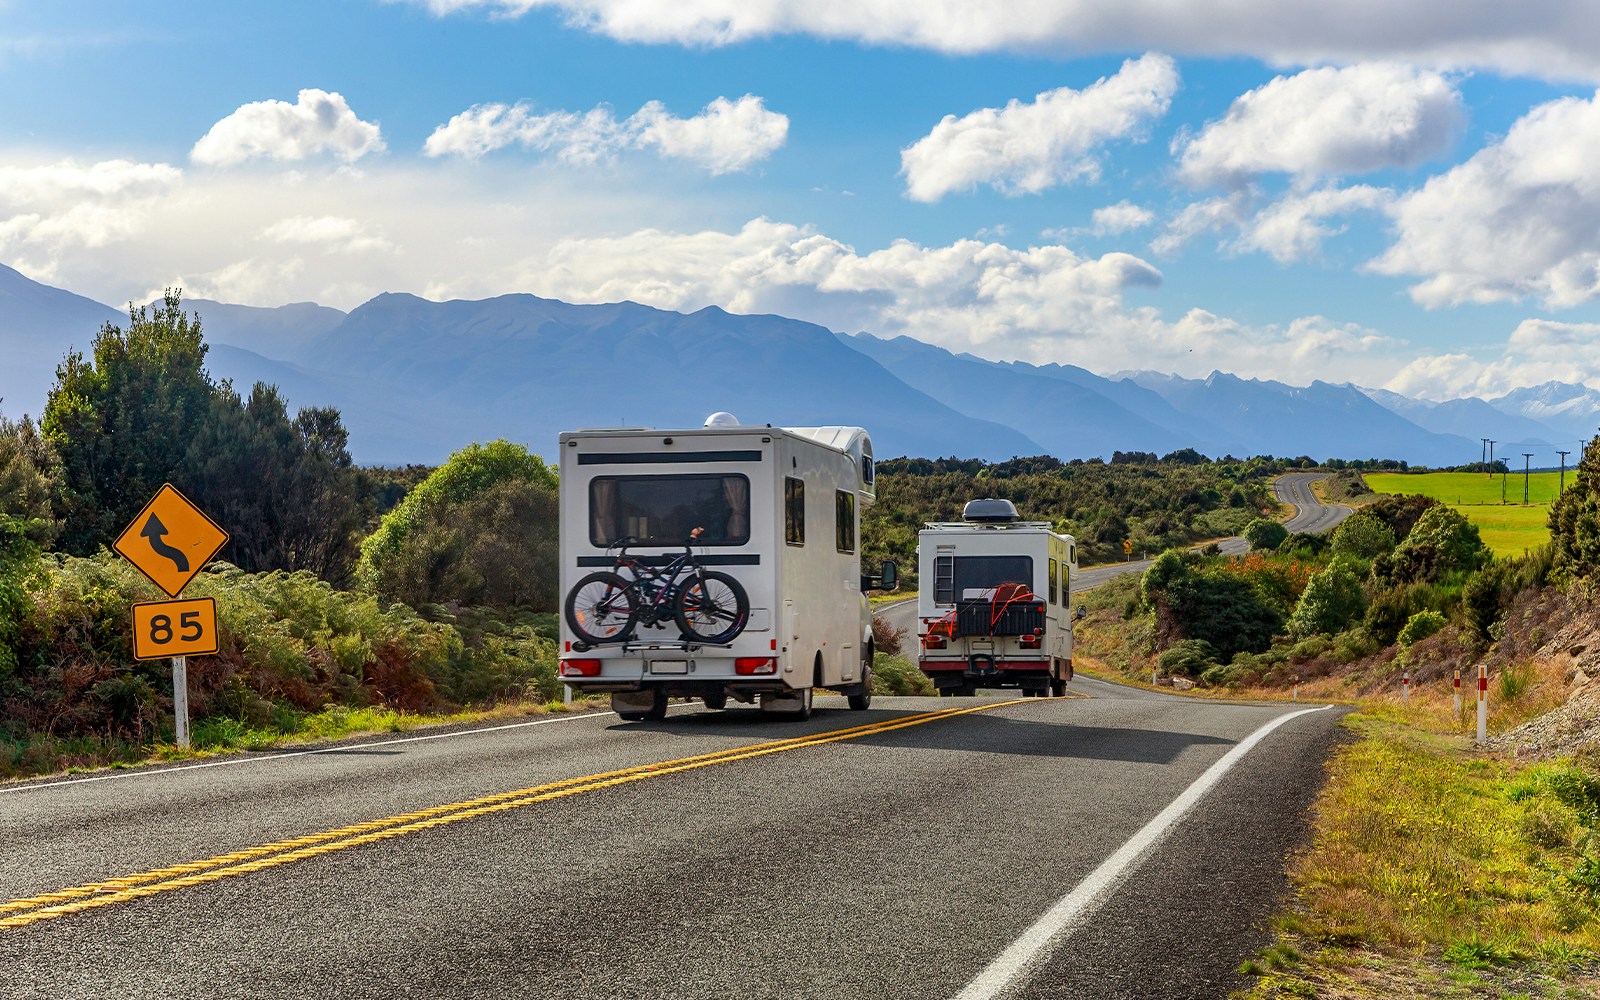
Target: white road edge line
1076, 906
297, 753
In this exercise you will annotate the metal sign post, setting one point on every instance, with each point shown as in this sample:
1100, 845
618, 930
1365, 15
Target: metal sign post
180, 698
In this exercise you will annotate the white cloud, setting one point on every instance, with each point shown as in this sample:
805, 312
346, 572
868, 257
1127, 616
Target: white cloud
1292, 228
1328, 122
1557, 39
51, 208
1120, 218
1520, 219
1208, 216
320, 122
332, 233
1537, 351
1026, 148
725, 137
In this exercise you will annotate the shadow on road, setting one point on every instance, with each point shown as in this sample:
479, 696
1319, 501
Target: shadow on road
977, 733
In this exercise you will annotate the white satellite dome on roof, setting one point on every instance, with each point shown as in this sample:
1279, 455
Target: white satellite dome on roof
722, 418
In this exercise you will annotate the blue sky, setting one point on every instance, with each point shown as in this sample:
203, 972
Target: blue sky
1291, 190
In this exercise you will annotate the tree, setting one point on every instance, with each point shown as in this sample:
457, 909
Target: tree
1332, 601
28, 468
1575, 519
481, 529
1265, 533
124, 420
145, 412
1362, 536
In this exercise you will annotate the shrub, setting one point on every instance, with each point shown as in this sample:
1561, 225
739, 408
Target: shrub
1264, 533
892, 675
1362, 536
1187, 658
886, 638
1419, 626
1332, 600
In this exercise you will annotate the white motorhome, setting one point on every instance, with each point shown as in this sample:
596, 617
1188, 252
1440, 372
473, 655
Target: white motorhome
778, 511
993, 604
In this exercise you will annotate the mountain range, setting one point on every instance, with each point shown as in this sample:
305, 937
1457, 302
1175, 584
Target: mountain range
416, 379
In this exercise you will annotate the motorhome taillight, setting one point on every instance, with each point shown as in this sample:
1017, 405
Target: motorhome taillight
931, 641
1028, 641
580, 668
749, 665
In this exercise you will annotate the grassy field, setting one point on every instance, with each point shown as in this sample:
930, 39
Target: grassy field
1509, 528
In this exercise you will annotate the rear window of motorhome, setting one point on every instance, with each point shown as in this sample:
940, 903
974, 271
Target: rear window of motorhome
966, 576
662, 510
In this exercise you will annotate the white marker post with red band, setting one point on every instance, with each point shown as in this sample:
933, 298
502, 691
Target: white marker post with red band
1458, 692
1483, 702
1405, 687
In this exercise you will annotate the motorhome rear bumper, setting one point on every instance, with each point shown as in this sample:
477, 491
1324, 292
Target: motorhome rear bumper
1000, 666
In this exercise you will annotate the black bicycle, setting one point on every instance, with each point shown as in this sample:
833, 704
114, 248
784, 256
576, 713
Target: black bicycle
608, 606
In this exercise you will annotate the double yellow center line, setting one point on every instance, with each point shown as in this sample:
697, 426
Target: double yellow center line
50, 905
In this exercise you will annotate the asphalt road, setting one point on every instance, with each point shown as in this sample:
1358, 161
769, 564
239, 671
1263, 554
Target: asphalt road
898, 862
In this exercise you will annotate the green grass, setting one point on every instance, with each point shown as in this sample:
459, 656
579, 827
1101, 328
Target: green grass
1508, 529
1438, 872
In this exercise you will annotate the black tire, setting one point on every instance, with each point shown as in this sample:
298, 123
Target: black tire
862, 701
658, 710
803, 713
711, 607
1058, 688
716, 701
600, 608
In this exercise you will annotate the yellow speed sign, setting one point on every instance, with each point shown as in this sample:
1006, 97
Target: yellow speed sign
174, 628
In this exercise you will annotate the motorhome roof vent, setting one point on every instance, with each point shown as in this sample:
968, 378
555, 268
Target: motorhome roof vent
722, 418
990, 512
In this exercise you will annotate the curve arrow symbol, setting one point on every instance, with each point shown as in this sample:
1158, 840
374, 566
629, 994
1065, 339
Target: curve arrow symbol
156, 531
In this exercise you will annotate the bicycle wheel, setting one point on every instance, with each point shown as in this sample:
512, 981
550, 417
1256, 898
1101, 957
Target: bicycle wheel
712, 607
602, 607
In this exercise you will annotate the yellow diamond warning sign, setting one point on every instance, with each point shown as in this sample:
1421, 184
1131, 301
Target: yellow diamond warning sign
170, 540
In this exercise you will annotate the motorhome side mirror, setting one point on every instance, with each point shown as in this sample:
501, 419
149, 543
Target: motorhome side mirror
1081, 612
891, 576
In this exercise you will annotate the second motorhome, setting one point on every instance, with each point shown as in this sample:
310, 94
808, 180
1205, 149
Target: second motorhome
767, 514
994, 602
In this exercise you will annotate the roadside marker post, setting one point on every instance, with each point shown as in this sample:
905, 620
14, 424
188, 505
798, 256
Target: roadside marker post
169, 542
1294, 692
1483, 703
1405, 687
1458, 691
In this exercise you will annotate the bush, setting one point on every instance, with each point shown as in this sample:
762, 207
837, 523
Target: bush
1362, 536
1187, 658
1419, 626
892, 675
1332, 600
1264, 533
886, 638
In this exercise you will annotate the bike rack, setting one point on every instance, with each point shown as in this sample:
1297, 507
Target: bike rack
631, 646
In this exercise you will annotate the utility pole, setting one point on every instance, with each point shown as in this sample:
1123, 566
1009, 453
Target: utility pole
1490, 467
1483, 453
1525, 456
1563, 487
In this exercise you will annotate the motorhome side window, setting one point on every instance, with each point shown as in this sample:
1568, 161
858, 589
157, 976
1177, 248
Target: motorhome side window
1053, 592
794, 511
662, 510
844, 510
969, 577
